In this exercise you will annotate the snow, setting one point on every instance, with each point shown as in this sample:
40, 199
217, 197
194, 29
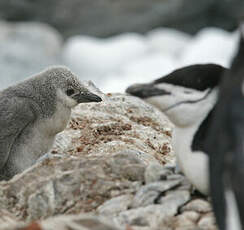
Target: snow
168, 41
89, 56
211, 45
117, 62
144, 69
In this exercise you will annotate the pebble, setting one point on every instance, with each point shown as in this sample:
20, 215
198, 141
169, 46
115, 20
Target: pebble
198, 205
177, 198
207, 222
148, 194
156, 172
150, 216
115, 205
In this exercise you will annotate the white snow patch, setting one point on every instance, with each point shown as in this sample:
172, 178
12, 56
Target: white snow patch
117, 62
168, 41
89, 56
211, 45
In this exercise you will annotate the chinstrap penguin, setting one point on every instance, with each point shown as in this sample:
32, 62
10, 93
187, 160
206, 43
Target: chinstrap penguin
187, 96
32, 112
225, 146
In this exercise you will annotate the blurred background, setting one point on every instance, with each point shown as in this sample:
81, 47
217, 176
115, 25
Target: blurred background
115, 43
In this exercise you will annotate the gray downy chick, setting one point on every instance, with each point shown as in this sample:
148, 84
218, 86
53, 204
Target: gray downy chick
33, 112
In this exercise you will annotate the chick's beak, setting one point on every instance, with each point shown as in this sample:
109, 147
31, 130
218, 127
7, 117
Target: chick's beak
145, 90
86, 97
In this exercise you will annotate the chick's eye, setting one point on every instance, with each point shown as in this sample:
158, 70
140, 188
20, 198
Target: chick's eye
69, 92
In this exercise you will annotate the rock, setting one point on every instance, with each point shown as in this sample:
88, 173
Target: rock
105, 18
115, 205
9, 221
190, 220
62, 186
184, 221
207, 222
175, 177
177, 198
149, 216
116, 140
128, 165
81, 222
120, 123
194, 215
191, 216
198, 205
108, 151
155, 172
139, 228
185, 184
149, 194
27, 48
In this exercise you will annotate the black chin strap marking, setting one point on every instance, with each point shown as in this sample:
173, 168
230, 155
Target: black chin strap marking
188, 101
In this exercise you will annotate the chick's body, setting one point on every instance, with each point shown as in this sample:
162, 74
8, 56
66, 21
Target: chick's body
32, 113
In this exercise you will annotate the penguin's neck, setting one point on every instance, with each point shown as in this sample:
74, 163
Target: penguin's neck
193, 164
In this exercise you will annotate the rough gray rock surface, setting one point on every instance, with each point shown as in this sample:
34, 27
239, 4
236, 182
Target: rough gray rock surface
27, 48
68, 222
106, 17
111, 174
120, 123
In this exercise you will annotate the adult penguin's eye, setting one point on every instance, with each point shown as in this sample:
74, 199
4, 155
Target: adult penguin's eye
69, 92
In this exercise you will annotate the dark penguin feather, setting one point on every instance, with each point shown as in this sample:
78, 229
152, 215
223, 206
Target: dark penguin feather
199, 77
225, 142
198, 143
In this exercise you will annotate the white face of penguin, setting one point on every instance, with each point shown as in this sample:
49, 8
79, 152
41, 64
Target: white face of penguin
184, 106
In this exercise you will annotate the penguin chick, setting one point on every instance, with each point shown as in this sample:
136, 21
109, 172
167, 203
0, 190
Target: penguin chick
33, 112
187, 96
225, 147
